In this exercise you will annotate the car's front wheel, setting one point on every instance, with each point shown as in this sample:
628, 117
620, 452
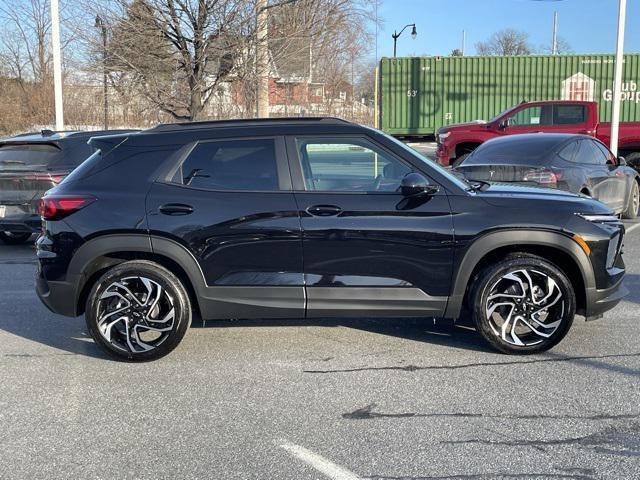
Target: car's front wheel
522, 304
12, 238
633, 202
138, 311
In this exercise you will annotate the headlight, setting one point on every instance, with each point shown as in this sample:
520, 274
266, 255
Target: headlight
443, 136
599, 218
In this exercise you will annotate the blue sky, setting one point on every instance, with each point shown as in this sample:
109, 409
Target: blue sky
588, 25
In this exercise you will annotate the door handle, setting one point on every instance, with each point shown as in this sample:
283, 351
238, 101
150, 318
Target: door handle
324, 210
176, 209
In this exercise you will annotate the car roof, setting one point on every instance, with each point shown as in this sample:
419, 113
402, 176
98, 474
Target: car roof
247, 122
543, 138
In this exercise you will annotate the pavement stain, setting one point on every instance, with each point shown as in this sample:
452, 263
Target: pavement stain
367, 413
416, 368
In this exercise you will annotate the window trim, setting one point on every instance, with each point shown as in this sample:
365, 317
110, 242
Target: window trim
280, 151
297, 175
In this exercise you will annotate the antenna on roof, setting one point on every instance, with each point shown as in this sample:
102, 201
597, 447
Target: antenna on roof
47, 133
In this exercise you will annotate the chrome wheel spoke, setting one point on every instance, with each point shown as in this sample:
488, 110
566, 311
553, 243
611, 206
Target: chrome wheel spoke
525, 307
136, 314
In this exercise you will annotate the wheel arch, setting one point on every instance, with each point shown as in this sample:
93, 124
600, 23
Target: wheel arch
96, 256
555, 247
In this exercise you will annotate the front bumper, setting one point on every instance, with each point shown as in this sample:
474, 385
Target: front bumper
601, 301
443, 155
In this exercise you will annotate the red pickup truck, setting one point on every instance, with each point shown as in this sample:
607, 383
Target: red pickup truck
456, 141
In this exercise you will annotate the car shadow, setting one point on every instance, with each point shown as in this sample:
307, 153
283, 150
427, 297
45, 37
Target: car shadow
632, 282
441, 332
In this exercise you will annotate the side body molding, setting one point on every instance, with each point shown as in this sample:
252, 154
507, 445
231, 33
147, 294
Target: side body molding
492, 241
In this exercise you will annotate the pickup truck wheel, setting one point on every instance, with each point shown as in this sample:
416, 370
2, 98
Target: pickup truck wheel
633, 202
522, 304
138, 311
11, 238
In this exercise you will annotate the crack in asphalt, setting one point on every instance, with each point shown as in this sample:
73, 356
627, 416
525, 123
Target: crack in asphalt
623, 440
415, 368
366, 413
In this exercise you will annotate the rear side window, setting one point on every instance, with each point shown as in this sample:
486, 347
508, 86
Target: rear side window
16, 157
569, 114
231, 165
590, 154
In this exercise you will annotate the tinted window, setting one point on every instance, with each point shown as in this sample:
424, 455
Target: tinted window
532, 149
231, 165
536, 115
607, 153
590, 154
16, 157
569, 114
569, 152
348, 165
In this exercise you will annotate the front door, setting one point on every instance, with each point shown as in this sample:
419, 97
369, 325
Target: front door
367, 249
229, 202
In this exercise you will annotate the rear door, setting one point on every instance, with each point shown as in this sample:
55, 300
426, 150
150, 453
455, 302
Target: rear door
229, 202
367, 249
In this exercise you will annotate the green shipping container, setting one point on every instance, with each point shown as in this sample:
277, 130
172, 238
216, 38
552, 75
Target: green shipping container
421, 94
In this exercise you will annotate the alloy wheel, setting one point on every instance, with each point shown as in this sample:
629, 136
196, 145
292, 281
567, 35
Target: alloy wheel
525, 307
635, 198
135, 314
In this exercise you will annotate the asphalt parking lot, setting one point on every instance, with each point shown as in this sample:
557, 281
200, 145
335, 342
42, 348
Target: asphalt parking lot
341, 399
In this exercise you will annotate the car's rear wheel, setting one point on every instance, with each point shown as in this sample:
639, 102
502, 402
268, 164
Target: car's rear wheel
633, 202
138, 311
522, 304
12, 238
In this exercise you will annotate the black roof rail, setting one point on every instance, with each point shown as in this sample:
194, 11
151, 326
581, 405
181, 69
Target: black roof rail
164, 127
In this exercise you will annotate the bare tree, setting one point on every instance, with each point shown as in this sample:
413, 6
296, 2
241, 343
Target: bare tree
505, 42
562, 45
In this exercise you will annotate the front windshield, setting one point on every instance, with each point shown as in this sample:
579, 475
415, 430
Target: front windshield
504, 112
460, 182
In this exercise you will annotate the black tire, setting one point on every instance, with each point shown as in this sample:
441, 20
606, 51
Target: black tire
633, 202
491, 281
11, 238
165, 298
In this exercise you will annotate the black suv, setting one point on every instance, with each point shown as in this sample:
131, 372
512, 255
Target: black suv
314, 217
31, 164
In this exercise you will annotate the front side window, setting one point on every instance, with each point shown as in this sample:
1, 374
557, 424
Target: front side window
348, 165
530, 116
231, 165
590, 154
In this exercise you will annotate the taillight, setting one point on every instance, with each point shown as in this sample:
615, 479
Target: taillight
543, 176
56, 207
54, 178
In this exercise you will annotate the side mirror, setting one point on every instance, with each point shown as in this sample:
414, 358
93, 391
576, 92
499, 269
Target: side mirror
622, 161
503, 124
414, 184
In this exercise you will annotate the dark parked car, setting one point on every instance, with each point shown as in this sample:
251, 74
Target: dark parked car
312, 218
575, 163
31, 164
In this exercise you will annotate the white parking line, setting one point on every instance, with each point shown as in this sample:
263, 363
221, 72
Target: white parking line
321, 464
633, 227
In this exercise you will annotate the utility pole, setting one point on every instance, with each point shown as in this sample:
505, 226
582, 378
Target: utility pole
262, 57
105, 93
617, 80
554, 38
464, 40
57, 64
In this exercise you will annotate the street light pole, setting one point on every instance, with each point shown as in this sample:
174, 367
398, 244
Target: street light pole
617, 80
57, 64
103, 30
396, 35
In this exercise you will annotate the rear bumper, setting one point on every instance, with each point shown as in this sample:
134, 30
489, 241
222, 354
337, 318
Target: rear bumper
27, 223
59, 297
